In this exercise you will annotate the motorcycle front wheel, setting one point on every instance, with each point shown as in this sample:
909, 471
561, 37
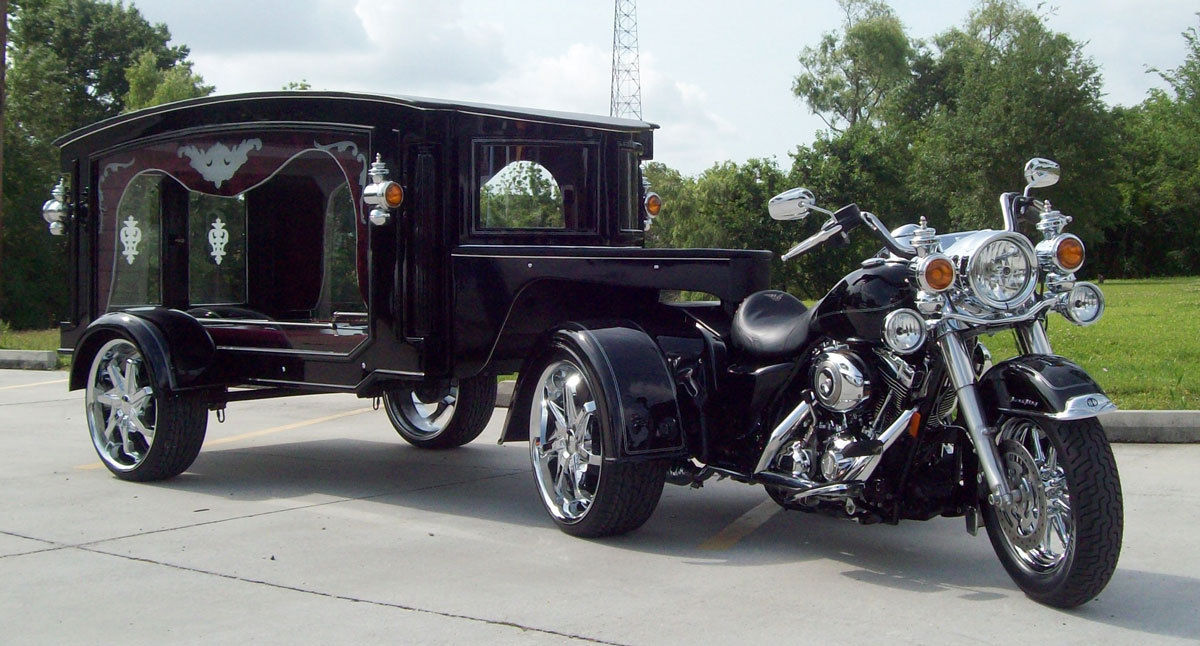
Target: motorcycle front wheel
1060, 539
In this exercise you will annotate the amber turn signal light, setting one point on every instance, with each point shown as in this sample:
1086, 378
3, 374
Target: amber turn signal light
935, 273
393, 195
653, 204
1069, 253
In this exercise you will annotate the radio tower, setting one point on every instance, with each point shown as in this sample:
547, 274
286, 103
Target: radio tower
626, 79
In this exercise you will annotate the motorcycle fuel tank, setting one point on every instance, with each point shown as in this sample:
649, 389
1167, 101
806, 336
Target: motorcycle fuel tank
856, 307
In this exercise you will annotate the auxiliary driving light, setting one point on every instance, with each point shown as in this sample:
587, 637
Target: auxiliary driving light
904, 331
1085, 304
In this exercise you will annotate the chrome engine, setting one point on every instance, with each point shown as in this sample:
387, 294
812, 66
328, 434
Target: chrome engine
853, 419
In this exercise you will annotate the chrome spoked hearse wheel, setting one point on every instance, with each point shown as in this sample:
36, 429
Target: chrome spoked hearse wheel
1039, 527
565, 445
121, 408
441, 417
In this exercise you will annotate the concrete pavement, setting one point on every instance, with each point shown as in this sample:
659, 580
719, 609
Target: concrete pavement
307, 520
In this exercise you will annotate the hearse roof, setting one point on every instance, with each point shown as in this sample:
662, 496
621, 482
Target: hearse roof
418, 103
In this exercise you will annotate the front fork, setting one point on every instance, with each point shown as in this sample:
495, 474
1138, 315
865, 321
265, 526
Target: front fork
1032, 339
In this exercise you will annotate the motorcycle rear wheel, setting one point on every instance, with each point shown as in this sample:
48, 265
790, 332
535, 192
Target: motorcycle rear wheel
1061, 541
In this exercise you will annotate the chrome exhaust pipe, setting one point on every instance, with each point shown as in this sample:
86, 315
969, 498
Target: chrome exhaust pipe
785, 431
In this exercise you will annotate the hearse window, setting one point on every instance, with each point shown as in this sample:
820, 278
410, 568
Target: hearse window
135, 243
216, 249
629, 190
533, 186
261, 231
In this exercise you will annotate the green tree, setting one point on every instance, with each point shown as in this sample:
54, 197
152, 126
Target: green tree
522, 195
848, 76
67, 68
149, 85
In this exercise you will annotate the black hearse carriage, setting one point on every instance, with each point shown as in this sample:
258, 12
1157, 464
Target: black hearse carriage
263, 245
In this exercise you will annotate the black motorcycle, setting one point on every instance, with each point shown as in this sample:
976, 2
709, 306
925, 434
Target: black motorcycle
877, 404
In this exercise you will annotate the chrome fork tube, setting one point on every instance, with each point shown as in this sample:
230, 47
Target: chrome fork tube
962, 376
1032, 339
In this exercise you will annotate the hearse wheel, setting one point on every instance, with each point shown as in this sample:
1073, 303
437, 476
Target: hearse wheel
445, 418
570, 419
141, 432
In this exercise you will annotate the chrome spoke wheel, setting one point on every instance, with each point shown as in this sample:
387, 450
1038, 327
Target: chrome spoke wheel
565, 444
120, 405
1039, 524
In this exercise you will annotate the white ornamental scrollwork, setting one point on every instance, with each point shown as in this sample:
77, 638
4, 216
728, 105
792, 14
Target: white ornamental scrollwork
220, 162
218, 237
131, 236
344, 146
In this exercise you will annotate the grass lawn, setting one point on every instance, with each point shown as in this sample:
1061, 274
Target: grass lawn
1144, 352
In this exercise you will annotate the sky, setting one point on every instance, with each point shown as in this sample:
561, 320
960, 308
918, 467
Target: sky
716, 76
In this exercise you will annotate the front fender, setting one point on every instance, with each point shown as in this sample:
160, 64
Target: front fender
173, 342
1045, 385
636, 381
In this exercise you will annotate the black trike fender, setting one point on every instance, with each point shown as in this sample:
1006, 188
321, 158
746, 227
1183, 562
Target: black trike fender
635, 380
174, 343
1044, 385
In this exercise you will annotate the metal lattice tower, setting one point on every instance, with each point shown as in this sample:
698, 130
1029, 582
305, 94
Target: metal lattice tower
626, 78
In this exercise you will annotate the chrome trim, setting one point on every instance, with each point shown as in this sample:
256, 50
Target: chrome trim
1047, 253
973, 254
827, 231
1041, 172
1010, 219
1032, 339
1066, 308
865, 466
962, 376
1001, 319
889, 324
1079, 407
782, 433
922, 264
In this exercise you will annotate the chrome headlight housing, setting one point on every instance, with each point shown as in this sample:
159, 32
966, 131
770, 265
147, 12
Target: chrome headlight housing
1001, 268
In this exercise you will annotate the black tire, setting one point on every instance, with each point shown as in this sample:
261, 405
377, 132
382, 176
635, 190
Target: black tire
567, 449
445, 419
1075, 465
140, 432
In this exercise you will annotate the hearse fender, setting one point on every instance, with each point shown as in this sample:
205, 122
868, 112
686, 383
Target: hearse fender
1042, 385
176, 345
634, 378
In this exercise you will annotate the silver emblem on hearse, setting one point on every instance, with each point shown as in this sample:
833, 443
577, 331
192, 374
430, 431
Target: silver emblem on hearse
220, 162
131, 236
218, 237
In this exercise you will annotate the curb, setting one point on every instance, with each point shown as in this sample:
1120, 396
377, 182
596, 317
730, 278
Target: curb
29, 359
1152, 426
1126, 426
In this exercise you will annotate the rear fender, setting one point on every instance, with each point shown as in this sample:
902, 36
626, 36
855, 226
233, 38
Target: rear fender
1043, 385
174, 343
635, 381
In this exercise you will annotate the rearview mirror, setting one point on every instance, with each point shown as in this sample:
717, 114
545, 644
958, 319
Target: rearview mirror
792, 205
1040, 172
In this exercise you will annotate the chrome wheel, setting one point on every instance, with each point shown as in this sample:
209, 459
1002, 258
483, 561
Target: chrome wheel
121, 407
565, 442
1039, 525
421, 416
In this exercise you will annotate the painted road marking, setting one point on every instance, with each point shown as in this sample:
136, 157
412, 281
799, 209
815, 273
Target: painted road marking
260, 433
39, 383
742, 527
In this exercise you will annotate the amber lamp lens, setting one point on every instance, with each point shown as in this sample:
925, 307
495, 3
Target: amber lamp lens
939, 274
1070, 254
653, 204
393, 195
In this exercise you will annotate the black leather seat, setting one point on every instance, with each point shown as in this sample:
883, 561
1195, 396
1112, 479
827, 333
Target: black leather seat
771, 325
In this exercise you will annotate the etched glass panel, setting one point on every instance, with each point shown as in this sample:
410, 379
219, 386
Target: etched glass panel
136, 240
216, 249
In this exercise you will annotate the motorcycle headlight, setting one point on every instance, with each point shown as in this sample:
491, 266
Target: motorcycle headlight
904, 331
1085, 304
1003, 270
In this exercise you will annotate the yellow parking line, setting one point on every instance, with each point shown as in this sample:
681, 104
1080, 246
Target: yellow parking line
39, 383
742, 527
260, 433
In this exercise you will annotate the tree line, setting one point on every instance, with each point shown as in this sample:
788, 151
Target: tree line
940, 128
935, 128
